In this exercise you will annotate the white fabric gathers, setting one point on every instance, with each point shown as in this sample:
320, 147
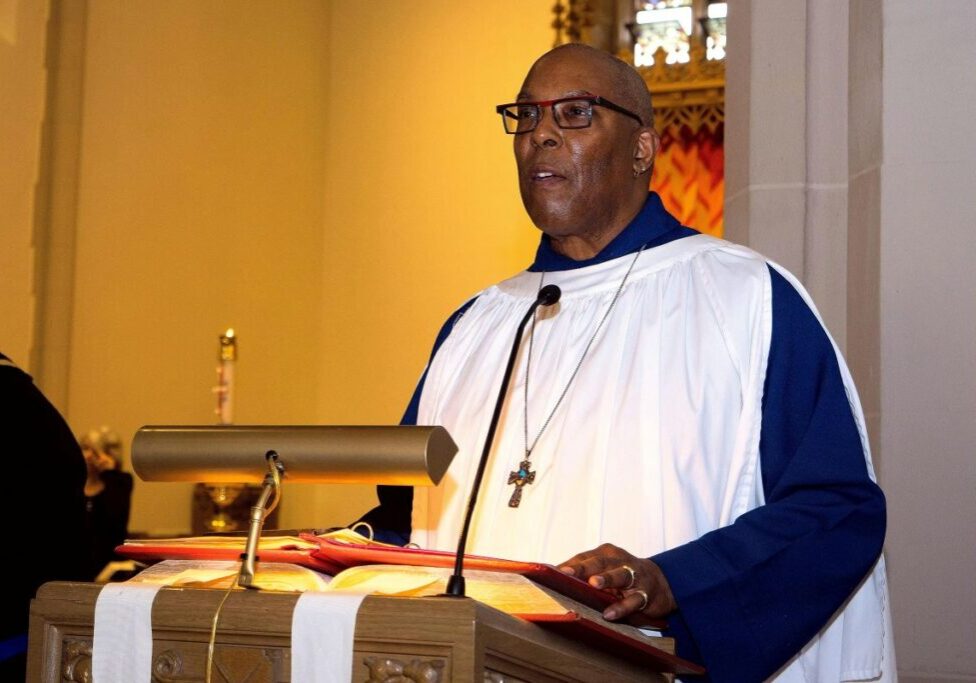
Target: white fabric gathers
123, 641
668, 400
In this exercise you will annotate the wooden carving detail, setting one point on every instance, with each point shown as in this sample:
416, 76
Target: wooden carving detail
230, 664
386, 670
76, 661
168, 667
699, 82
692, 117
572, 21
698, 72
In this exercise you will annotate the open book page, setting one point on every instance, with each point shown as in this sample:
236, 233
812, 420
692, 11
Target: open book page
507, 592
269, 576
511, 593
345, 554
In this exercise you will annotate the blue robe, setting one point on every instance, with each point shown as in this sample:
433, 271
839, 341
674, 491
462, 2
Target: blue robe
751, 594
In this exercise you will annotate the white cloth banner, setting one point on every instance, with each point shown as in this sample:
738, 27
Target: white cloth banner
323, 627
123, 641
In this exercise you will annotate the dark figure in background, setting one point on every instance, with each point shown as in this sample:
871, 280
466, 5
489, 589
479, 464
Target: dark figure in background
108, 493
44, 540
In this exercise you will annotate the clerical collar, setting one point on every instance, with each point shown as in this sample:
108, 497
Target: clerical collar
651, 227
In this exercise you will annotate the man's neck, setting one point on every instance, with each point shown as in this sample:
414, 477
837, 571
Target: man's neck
651, 224
584, 244
582, 247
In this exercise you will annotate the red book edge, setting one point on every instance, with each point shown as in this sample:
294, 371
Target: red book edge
299, 556
613, 642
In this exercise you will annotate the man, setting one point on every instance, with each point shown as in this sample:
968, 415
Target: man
681, 411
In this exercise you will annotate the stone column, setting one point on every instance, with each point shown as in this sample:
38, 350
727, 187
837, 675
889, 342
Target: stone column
786, 142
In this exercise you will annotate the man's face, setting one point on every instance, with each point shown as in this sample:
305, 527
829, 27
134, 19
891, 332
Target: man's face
576, 182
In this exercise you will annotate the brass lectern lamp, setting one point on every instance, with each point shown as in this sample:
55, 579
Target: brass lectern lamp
407, 456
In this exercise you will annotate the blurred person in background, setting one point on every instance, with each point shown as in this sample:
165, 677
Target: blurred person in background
108, 495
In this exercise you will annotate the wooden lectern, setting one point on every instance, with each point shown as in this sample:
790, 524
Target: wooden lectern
397, 640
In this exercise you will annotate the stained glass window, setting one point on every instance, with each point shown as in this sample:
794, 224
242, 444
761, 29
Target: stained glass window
670, 25
667, 25
714, 26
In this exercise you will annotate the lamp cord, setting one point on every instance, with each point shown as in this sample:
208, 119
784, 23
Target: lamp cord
275, 474
211, 644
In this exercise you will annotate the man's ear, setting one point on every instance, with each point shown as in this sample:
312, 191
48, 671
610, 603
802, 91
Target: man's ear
645, 149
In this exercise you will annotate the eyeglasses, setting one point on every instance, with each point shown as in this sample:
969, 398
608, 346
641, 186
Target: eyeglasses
568, 112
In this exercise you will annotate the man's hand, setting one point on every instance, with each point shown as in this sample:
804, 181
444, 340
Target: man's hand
640, 583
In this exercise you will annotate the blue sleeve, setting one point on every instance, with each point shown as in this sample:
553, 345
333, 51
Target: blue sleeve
390, 519
751, 594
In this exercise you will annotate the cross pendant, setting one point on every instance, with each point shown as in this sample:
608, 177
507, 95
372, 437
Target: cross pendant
524, 475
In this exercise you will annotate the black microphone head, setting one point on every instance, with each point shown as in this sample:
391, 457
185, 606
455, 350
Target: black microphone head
549, 295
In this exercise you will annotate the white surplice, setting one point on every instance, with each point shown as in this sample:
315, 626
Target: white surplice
657, 440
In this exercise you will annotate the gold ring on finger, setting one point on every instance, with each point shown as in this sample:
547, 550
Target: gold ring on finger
633, 576
644, 599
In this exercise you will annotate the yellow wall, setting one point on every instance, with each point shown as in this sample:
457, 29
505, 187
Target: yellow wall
22, 82
422, 206
203, 162
329, 178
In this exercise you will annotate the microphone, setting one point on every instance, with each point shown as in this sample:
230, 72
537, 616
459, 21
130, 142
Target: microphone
547, 296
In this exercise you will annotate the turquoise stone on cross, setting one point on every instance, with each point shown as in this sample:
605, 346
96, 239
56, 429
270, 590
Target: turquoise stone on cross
523, 476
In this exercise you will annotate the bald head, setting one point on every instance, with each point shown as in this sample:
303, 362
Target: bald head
582, 185
625, 86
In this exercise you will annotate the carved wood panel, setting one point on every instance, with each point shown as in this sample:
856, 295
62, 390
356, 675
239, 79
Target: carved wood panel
76, 660
389, 670
232, 664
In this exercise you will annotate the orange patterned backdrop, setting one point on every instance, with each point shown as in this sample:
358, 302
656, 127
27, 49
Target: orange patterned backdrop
689, 174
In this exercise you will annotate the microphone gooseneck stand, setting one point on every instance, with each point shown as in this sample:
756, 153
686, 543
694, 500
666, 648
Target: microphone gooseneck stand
548, 295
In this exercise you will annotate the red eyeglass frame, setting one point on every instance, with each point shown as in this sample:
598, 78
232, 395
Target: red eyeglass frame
592, 99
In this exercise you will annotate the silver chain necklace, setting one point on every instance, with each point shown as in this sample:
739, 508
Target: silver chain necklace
525, 474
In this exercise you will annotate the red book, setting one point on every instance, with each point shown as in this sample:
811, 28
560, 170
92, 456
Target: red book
579, 619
